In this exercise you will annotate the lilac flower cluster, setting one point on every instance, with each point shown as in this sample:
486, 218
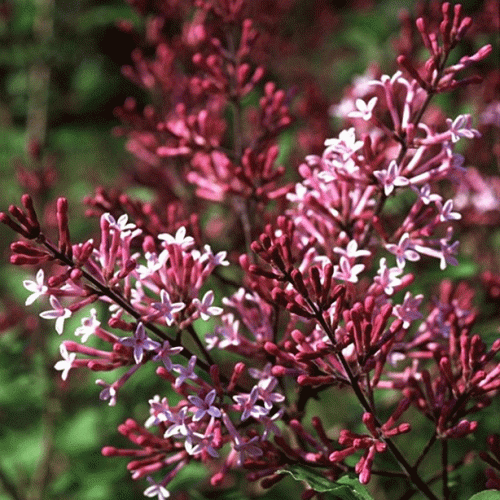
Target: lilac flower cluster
313, 300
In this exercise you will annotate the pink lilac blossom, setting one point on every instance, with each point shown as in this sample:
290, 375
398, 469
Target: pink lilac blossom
296, 330
352, 251
164, 354
247, 404
66, 363
390, 179
88, 327
243, 448
180, 238
205, 308
205, 406
59, 313
388, 278
37, 287
224, 335
363, 109
345, 272
185, 373
197, 443
408, 310
403, 250
140, 342
156, 490
166, 308
121, 225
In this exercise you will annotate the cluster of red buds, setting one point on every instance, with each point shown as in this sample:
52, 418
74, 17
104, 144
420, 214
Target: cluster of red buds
309, 283
435, 77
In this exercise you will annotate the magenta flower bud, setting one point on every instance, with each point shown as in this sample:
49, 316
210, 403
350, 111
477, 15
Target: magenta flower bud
338, 456
369, 421
279, 371
462, 429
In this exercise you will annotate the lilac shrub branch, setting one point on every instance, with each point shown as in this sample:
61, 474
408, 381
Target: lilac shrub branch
317, 307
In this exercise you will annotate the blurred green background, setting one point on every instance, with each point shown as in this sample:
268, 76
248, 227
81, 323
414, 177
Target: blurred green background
60, 80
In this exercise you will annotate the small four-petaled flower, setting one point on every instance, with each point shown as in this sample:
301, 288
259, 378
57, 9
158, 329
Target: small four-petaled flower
66, 363
205, 406
363, 110
156, 490
205, 308
140, 342
37, 288
59, 313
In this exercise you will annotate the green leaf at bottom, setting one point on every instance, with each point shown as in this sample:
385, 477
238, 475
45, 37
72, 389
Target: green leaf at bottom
346, 488
486, 495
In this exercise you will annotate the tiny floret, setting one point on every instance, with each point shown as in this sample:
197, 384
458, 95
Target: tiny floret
66, 363
89, 326
121, 225
37, 288
140, 342
205, 307
346, 272
180, 238
205, 406
156, 490
59, 313
460, 127
185, 372
167, 308
390, 178
403, 250
363, 110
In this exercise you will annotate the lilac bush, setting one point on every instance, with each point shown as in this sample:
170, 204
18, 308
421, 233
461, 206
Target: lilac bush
305, 275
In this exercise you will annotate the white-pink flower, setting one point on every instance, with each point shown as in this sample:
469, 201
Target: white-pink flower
269, 424
448, 252
168, 308
196, 443
178, 428
140, 342
153, 263
156, 490
185, 372
247, 404
180, 238
37, 288
387, 277
224, 335
89, 326
66, 363
342, 147
403, 250
121, 225
346, 272
108, 393
363, 110
390, 178
165, 353
205, 406
205, 307
408, 310
352, 251
425, 194
461, 126
446, 211
59, 313
266, 394
244, 448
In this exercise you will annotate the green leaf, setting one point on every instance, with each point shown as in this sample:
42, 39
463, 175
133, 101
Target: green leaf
486, 495
346, 488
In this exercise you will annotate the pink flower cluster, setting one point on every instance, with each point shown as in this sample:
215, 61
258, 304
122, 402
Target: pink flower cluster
310, 286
